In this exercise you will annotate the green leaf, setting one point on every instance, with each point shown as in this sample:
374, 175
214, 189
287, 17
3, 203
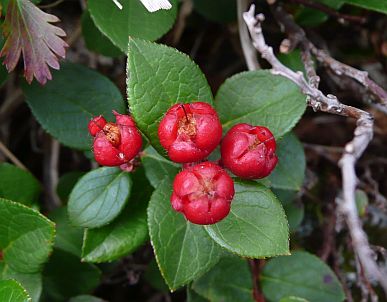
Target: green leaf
260, 98
66, 276
12, 291
192, 296
95, 40
26, 237
11, 177
85, 298
361, 202
126, 233
157, 167
290, 171
294, 209
99, 197
65, 105
67, 182
183, 250
229, 281
68, 238
376, 5
256, 226
223, 11
292, 60
153, 277
158, 77
302, 275
31, 282
293, 299
132, 21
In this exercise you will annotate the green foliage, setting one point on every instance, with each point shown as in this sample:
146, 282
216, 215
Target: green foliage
85, 298
302, 275
256, 226
376, 5
11, 177
229, 281
258, 98
66, 183
12, 291
65, 105
132, 21
98, 197
158, 77
183, 250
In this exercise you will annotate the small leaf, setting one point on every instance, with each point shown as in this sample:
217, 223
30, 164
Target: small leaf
29, 32
256, 226
65, 105
258, 98
192, 296
376, 5
302, 275
99, 197
290, 171
12, 291
158, 77
157, 167
11, 177
361, 202
66, 276
229, 281
126, 233
31, 282
132, 21
183, 250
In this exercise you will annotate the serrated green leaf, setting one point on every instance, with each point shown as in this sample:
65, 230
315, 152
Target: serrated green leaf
86, 298
229, 281
222, 11
183, 250
260, 98
157, 167
256, 226
11, 177
302, 275
66, 276
376, 5
95, 40
65, 105
99, 197
68, 237
12, 291
126, 233
133, 20
26, 237
289, 173
66, 184
158, 77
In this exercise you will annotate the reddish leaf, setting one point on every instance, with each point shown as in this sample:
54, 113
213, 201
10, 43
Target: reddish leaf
29, 31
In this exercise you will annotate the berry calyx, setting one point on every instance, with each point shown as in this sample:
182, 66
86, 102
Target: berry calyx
249, 151
190, 132
203, 193
96, 124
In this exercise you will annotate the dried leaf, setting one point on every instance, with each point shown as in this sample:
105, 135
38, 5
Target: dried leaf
29, 31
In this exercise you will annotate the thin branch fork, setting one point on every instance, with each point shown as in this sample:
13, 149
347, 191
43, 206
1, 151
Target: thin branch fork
353, 150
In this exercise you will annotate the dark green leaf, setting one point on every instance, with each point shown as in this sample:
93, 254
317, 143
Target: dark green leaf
66, 276
376, 5
229, 281
98, 197
65, 105
31, 282
11, 178
158, 77
153, 277
302, 275
132, 21
256, 226
183, 250
260, 98
12, 291
67, 182
192, 296
293, 299
290, 171
86, 298
95, 40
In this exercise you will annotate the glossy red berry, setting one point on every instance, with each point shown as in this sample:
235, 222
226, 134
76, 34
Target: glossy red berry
117, 143
203, 193
249, 151
190, 132
96, 124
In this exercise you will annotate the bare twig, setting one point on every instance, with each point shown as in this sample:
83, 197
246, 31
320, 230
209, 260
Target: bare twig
51, 173
11, 156
353, 150
256, 268
249, 52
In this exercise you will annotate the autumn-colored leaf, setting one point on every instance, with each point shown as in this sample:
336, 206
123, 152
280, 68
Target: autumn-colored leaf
28, 31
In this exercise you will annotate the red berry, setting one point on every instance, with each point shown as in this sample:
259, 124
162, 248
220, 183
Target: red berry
96, 124
190, 132
249, 151
203, 193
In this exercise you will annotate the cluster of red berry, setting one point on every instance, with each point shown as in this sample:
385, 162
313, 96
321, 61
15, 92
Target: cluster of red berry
203, 190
